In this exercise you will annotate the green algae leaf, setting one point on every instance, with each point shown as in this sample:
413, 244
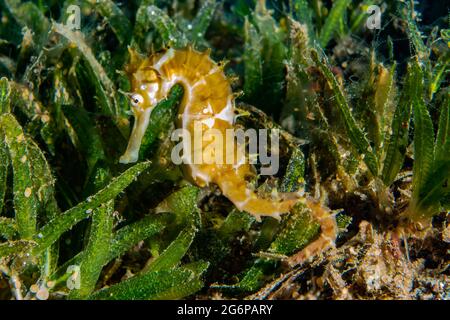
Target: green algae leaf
235, 222
433, 189
252, 60
97, 178
293, 180
416, 38
88, 137
60, 96
28, 15
198, 267
137, 231
8, 228
163, 284
396, 143
383, 103
34, 200
252, 280
23, 100
441, 69
268, 232
202, 21
172, 255
191, 286
26, 181
355, 134
97, 250
273, 54
44, 181
5, 92
64, 222
183, 203
300, 99
442, 145
333, 21
439, 72
298, 231
142, 36
165, 26
414, 34
123, 240
19, 247
161, 119
105, 89
423, 146
88, 55
220, 240
376, 102
303, 13
115, 17
26, 156
4, 165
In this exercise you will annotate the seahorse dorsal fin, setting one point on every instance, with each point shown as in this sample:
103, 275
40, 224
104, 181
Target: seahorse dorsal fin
207, 52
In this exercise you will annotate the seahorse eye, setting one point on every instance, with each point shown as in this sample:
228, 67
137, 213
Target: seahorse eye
136, 100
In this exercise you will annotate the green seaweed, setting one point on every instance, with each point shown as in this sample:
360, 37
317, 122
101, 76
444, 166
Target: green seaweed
155, 285
397, 141
57, 226
172, 255
334, 19
118, 21
8, 228
96, 251
355, 134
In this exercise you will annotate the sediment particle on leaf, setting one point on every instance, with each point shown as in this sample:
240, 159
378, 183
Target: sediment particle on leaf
27, 192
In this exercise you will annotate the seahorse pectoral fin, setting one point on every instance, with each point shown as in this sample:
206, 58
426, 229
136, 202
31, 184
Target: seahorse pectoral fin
141, 121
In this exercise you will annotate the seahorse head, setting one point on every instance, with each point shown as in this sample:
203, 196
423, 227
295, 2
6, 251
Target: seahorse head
145, 94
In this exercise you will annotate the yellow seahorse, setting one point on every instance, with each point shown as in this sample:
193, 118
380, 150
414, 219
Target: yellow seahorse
208, 99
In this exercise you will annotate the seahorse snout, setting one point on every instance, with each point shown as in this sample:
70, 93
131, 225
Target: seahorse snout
141, 121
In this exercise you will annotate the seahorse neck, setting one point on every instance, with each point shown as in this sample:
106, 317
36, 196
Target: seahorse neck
167, 85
